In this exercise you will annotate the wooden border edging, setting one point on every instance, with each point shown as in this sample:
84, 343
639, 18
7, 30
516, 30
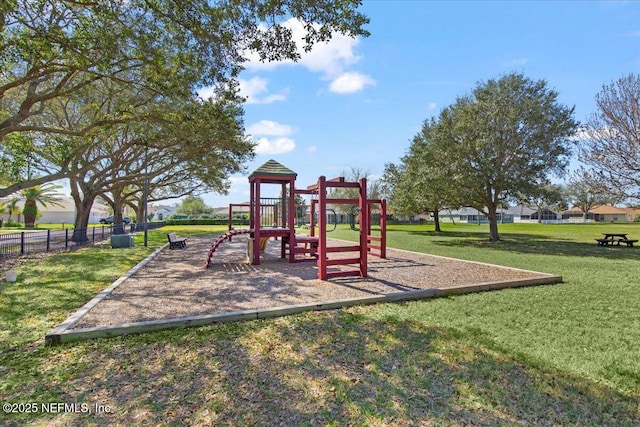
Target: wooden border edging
54, 334
66, 334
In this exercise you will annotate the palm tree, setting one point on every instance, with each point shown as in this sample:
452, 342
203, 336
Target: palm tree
39, 194
11, 207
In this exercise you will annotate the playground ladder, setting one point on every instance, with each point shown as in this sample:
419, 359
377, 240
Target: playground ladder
227, 236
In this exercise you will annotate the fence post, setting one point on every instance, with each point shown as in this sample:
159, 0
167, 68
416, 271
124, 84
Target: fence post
66, 238
22, 243
93, 234
48, 239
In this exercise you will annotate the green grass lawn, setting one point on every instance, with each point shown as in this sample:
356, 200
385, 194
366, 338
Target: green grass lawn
566, 354
49, 226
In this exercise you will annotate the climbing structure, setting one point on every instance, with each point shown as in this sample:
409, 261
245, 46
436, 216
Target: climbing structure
275, 218
368, 244
270, 217
226, 236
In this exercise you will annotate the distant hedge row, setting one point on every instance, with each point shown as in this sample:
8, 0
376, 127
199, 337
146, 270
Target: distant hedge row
205, 221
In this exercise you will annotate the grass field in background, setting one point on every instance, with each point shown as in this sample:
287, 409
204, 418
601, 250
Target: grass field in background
559, 354
50, 226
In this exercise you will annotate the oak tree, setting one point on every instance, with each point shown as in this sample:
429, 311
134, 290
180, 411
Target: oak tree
504, 139
422, 179
56, 51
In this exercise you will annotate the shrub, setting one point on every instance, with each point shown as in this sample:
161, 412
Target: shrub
11, 224
205, 221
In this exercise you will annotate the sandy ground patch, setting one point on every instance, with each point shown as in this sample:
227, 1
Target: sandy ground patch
176, 284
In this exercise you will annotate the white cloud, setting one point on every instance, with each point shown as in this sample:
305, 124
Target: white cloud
206, 92
255, 90
270, 128
350, 82
330, 58
238, 185
431, 106
333, 59
237, 180
273, 97
312, 149
516, 62
276, 146
584, 134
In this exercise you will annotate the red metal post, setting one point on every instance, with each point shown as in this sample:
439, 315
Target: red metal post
275, 215
364, 226
383, 229
312, 221
257, 224
292, 222
252, 198
322, 228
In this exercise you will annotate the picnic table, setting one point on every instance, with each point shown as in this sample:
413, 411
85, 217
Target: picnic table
615, 239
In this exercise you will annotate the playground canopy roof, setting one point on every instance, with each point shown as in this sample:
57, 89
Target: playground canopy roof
274, 169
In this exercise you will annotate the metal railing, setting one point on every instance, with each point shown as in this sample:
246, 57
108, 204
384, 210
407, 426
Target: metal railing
24, 242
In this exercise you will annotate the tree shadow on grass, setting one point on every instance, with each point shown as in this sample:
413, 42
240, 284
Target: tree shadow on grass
533, 244
336, 367
50, 288
482, 235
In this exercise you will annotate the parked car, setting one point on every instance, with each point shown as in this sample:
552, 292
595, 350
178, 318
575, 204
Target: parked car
109, 220
106, 220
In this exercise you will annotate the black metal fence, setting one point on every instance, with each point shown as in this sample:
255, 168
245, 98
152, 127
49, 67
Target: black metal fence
24, 242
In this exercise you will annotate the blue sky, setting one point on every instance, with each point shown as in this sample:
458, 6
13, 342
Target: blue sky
359, 102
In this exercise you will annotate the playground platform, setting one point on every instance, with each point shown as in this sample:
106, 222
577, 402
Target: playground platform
172, 289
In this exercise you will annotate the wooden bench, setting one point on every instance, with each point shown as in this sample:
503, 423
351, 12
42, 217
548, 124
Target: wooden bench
629, 242
175, 241
604, 242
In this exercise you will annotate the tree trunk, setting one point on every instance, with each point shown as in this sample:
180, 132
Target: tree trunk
493, 224
30, 212
81, 223
118, 226
436, 221
139, 210
539, 216
83, 206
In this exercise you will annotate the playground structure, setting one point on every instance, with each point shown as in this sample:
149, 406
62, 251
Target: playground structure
276, 218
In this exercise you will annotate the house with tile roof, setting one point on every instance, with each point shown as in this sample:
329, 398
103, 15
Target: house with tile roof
604, 213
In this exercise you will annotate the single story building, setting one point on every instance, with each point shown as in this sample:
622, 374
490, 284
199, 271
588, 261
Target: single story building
65, 212
472, 216
520, 213
604, 213
523, 213
161, 212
